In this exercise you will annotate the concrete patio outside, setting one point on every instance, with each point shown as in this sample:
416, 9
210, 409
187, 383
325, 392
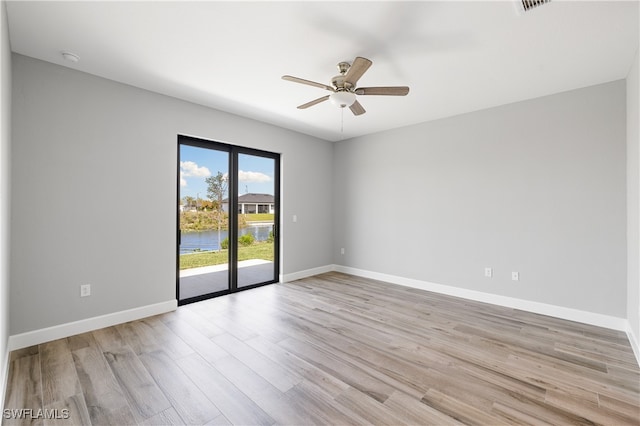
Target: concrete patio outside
209, 279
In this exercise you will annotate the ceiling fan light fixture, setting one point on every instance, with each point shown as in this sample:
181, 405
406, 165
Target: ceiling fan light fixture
342, 99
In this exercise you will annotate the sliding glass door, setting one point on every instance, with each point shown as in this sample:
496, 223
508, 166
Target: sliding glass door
228, 211
203, 226
256, 215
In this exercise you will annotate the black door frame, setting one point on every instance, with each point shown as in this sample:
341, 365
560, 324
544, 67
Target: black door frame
233, 151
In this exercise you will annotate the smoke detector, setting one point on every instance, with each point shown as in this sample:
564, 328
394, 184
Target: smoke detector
69, 56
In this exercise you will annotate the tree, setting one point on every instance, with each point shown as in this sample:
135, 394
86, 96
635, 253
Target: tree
188, 201
216, 191
206, 205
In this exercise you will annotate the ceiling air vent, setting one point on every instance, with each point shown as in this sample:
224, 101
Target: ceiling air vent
527, 5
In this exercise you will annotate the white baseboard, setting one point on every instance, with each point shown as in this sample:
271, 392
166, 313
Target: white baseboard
285, 278
35, 337
4, 376
30, 338
635, 343
571, 314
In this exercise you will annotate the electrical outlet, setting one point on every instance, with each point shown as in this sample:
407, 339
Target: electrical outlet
515, 276
342, 250
488, 272
85, 290
295, 217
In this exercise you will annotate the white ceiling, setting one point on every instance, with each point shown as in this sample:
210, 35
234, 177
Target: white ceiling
455, 56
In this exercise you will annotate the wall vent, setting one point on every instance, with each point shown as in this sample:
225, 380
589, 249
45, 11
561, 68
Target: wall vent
527, 5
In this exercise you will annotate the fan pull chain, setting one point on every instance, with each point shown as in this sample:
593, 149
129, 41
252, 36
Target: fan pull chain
342, 121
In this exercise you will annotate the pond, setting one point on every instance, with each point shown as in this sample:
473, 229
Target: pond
208, 240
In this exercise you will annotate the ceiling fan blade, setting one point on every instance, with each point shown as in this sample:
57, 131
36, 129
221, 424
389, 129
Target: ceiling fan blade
313, 102
355, 71
357, 109
308, 82
383, 91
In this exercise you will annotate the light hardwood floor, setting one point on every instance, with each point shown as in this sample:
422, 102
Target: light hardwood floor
333, 349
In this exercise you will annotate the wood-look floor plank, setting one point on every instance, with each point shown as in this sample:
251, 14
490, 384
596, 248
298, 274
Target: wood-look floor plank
80, 341
189, 401
230, 325
592, 411
629, 376
542, 412
143, 394
587, 388
59, 382
468, 390
320, 408
70, 411
518, 417
333, 349
234, 404
415, 412
457, 409
330, 335
305, 370
150, 335
172, 344
619, 408
184, 314
25, 389
28, 351
54, 352
261, 392
221, 420
278, 376
367, 408
59, 378
61, 388
504, 381
199, 341
337, 367
168, 417
378, 364
104, 397
139, 343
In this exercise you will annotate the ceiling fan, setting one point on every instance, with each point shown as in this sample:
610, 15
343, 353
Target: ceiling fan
344, 90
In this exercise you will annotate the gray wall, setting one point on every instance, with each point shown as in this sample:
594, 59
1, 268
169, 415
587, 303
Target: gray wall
94, 165
633, 201
536, 187
5, 152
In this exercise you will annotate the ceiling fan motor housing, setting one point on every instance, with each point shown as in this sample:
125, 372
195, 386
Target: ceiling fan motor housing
339, 80
340, 84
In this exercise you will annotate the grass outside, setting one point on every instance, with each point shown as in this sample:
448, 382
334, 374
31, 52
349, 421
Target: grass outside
260, 250
258, 217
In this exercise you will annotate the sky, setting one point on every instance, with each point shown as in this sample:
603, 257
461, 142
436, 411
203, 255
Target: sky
256, 174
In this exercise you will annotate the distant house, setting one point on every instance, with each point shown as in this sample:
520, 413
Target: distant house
184, 208
252, 203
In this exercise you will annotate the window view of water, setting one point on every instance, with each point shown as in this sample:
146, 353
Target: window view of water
208, 240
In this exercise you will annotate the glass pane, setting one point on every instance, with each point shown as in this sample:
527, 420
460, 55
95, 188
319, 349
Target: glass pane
204, 221
256, 213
